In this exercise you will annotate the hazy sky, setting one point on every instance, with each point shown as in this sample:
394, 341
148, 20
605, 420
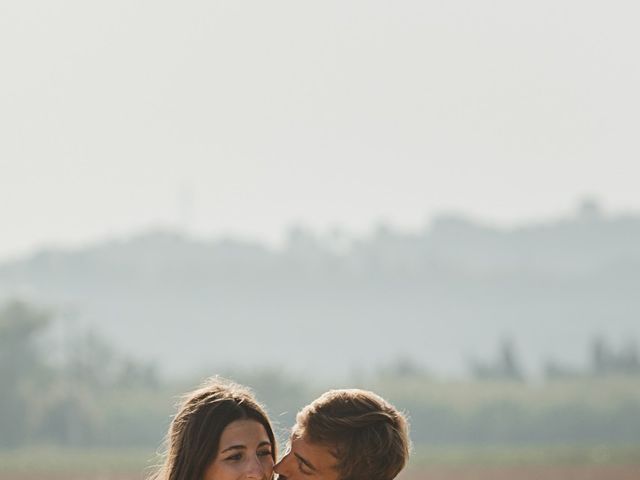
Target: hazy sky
248, 116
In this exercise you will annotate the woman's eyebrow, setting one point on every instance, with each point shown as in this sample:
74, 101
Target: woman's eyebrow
234, 447
244, 447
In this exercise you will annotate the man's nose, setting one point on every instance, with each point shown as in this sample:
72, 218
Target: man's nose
279, 467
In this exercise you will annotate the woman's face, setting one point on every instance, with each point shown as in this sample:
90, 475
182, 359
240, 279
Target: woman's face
244, 453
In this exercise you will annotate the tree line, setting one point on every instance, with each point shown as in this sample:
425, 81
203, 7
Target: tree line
603, 360
88, 394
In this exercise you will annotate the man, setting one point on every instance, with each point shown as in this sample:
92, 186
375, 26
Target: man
346, 435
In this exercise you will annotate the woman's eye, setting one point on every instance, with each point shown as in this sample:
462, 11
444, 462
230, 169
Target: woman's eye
237, 456
264, 453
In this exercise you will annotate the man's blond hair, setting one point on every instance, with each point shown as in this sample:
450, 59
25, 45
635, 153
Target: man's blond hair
368, 436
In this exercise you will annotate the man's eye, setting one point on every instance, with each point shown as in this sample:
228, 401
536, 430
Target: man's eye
303, 468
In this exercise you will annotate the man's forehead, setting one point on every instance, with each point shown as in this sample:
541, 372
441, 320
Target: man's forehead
321, 457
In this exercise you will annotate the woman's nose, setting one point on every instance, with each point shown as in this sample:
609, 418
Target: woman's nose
255, 469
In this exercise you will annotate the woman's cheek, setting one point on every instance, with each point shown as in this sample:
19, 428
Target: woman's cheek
268, 464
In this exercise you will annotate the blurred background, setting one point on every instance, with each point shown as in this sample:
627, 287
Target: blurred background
435, 200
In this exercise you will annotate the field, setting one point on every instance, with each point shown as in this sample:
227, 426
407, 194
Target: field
557, 463
544, 463
461, 473
529, 472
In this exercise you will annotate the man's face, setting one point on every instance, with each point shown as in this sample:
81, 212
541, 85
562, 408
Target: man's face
306, 460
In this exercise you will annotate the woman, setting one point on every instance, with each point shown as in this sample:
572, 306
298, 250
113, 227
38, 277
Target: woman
220, 433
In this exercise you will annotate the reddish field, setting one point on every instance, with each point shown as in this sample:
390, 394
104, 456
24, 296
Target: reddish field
70, 476
538, 472
604, 472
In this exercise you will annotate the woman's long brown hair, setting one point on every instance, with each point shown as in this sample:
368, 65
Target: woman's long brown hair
194, 434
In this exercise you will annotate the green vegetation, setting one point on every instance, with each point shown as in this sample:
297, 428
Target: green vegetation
62, 460
93, 398
423, 457
74, 460
574, 411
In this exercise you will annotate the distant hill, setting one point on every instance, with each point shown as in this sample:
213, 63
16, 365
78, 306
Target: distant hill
439, 296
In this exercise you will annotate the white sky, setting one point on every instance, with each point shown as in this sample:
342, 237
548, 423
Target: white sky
331, 113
